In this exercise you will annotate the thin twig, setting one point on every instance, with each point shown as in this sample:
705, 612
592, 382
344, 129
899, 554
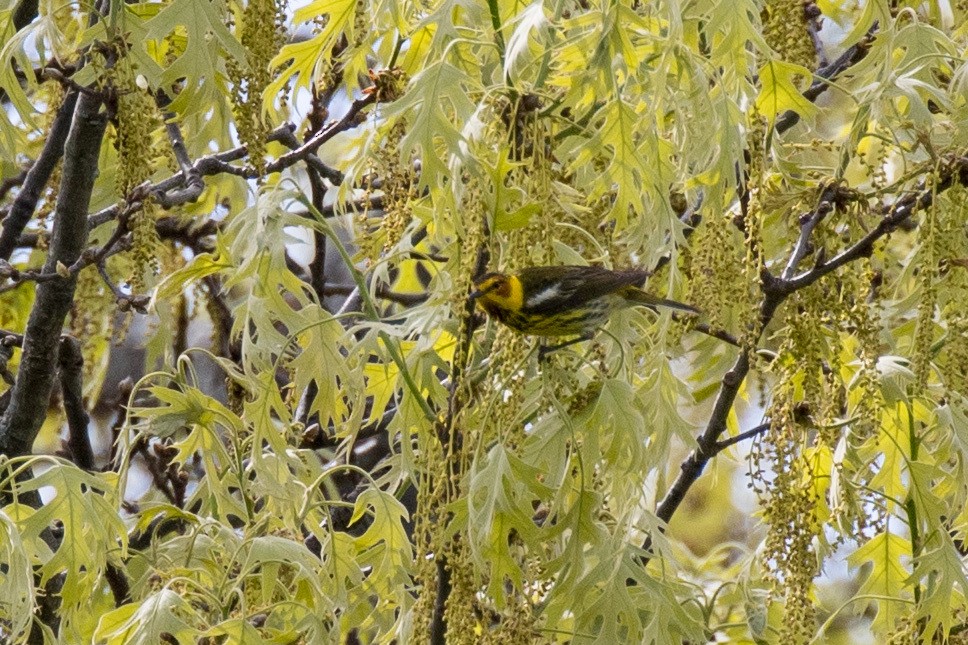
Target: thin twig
157, 458
849, 58
10, 183
406, 299
812, 15
123, 389
743, 436
178, 145
348, 121
703, 328
125, 301
312, 160
808, 222
54, 74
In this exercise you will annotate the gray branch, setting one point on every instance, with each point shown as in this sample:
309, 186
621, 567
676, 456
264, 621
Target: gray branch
39, 174
35, 378
72, 386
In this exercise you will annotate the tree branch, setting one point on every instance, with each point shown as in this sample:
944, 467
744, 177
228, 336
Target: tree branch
72, 385
849, 58
348, 121
406, 299
895, 215
181, 184
776, 291
743, 436
30, 395
24, 205
186, 185
808, 222
118, 243
188, 232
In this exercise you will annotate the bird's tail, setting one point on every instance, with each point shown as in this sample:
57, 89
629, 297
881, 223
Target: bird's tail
636, 295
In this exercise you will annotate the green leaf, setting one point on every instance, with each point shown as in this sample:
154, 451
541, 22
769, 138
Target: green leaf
519, 218
607, 609
892, 444
200, 67
385, 552
16, 580
322, 361
625, 167
436, 105
201, 266
157, 618
497, 511
237, 630
308, 59
388, 518
940, 570
887, 554
531, 23
86, 506
878, 11
779, 93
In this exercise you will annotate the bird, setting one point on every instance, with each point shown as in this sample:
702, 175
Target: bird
558, 301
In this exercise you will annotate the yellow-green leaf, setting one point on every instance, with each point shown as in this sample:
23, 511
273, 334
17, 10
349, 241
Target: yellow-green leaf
779, 93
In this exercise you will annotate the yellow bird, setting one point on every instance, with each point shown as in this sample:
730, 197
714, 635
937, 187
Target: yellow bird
563, 300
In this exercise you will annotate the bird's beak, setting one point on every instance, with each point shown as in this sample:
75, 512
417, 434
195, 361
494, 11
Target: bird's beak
476, 294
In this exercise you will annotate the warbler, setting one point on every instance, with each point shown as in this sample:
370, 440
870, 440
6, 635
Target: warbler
563, 300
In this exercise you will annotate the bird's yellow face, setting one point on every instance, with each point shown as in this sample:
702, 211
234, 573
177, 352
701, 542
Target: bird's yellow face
498, 291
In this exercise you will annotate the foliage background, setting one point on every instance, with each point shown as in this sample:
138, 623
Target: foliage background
318, 184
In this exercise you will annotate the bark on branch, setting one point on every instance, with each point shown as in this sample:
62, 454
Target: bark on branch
29, 396
72, 385
776, 290
24, 205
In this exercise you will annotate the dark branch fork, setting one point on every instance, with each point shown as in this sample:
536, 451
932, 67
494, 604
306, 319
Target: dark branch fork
36, 178
776, 290
29, 395
183, 187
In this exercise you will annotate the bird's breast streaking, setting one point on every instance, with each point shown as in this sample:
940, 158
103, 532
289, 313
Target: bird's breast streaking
563, 300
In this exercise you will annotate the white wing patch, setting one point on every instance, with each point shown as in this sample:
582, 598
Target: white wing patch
548, 293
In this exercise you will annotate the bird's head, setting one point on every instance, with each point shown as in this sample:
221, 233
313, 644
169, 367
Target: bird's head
498, 291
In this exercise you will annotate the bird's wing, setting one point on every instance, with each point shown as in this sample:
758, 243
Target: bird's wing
558, 288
